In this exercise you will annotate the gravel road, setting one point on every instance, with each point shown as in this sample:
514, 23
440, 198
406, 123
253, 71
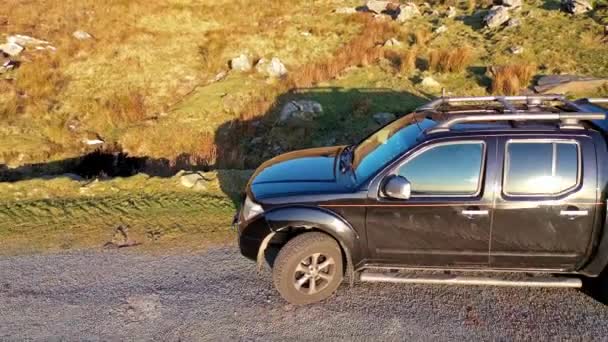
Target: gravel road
217, 295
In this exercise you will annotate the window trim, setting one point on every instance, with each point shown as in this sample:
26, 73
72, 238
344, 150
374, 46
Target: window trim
447, 143
542, 141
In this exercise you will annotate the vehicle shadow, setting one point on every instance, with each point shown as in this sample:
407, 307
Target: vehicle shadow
345, 116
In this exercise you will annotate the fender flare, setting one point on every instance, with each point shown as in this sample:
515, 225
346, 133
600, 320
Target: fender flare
308, 218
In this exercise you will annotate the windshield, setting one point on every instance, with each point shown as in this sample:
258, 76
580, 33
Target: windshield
382, 147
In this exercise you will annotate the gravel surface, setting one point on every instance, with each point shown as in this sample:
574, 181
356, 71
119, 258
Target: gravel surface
216, 294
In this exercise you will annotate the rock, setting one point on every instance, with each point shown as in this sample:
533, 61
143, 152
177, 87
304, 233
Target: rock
194, 180
274, 68
516, 50
497, 16
392, 42
240, 63
430, 83
7, 64
384, 118
407, 12
81, 35
92, 139
441, 29
305, 110
345, 10
377, 6
509, 3
11, 49
576, 6
26, 41
513, 22
451, 12
562, 84
220, 76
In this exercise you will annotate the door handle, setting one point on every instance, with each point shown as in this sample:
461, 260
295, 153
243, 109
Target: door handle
574, 213
474, 212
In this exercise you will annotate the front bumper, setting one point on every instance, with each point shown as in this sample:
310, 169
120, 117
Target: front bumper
251, 234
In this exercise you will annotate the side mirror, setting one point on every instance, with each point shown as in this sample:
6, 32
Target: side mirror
397, 187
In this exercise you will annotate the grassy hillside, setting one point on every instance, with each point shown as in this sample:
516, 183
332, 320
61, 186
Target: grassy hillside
154, 81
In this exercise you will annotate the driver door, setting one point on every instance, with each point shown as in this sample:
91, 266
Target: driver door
446, 221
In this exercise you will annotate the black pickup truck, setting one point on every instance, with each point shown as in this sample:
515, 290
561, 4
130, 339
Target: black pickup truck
460, 187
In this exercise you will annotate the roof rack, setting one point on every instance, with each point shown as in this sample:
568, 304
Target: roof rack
570, 113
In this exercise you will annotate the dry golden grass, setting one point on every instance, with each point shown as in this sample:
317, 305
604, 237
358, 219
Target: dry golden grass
510, 79
422, 36
450, 60
408, 61
127, 107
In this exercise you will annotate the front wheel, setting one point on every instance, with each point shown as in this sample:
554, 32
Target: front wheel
308, 268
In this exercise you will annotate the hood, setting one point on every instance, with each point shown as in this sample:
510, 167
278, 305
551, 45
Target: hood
299, 172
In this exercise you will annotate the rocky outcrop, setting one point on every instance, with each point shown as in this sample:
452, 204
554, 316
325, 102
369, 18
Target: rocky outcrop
576, 6
241, 63
497, 16
305, 110
272, 68
407, 11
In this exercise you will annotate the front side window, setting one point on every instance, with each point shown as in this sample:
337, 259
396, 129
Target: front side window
540, 168
446, 169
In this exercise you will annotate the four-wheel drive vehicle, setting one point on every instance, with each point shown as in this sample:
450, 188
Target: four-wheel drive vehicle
480, 184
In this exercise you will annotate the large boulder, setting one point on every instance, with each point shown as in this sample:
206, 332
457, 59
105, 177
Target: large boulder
407, 12
377, 6
576, 6
497, 16
562, 84
305, 110
241, 63
26, 41
272, 68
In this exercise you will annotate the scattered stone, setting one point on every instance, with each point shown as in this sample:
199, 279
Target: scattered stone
345, 10
384, 118
274, 68
305, 110
26, 41
513, 22
451, 13
509, 3
576, 6
562, 84
220, 76
82, 35
92, 139
377, 6
6, 65
306, 33
430, 83
194, 180
441, 29
516, 50
11, 49
241, 63
392, 42
407, 12
497, 16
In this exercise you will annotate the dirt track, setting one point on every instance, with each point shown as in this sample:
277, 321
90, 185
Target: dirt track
124, 294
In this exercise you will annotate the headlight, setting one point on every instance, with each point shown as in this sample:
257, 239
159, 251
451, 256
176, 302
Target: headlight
251, 209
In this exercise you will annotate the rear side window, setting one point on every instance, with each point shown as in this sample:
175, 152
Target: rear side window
446, 169
540, 168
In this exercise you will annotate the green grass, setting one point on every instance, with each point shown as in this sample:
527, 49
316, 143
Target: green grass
43, 215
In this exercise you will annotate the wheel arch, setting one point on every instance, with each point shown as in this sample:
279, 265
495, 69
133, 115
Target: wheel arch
299, 219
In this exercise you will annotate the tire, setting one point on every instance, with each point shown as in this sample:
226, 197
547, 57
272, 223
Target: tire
598, 287
308, 269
